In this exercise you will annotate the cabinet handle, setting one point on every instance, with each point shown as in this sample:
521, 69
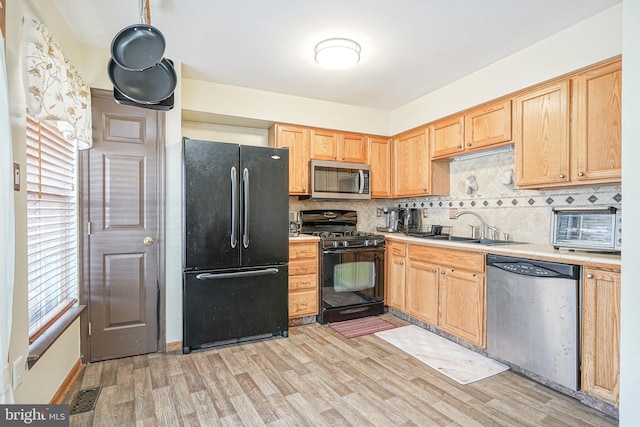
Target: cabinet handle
434, 271
443, 272
561, 176
580, 173
424, 189
468, 144
589, 276
459, 146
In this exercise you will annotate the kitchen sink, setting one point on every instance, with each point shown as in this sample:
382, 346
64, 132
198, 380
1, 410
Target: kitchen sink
497, 242
446, 237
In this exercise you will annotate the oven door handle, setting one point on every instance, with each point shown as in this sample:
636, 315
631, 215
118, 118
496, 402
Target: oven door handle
350, 251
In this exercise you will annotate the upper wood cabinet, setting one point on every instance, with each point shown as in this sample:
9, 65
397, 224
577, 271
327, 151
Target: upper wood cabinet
570, 132
541, 135
601, 334
339, 146
482, 127
597, 124
447, 136
296, 138
379, 161
488, 125
413, 172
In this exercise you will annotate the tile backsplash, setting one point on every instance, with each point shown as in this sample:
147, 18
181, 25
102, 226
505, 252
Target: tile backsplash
524, 214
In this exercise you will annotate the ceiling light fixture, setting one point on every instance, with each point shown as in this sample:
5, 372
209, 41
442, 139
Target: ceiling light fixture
337, 53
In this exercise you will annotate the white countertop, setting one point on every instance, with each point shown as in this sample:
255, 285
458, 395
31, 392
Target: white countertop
526, 250
304, 238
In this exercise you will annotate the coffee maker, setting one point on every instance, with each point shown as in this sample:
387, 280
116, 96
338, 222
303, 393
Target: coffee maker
294, 224
392, 219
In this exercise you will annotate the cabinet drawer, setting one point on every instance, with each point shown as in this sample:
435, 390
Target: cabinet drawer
303, 250
395, 249
303, 303
457, 259
307, 281
307, 266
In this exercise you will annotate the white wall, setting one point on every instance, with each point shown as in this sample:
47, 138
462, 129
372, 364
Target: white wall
590, 41
224, 133
630, 319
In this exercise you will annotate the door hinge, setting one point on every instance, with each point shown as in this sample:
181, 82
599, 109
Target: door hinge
89, 228
89, 328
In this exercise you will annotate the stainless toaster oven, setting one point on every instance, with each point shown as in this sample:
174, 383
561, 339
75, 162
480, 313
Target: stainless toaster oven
590, 229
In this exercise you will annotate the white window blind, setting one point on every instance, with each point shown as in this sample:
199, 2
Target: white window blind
51, 224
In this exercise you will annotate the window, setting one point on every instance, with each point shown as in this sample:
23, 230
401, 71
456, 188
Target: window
51, 224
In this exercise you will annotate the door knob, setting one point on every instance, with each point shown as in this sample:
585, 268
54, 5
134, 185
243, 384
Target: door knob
148, 241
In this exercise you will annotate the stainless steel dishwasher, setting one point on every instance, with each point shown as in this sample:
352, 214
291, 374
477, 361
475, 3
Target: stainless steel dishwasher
533, 317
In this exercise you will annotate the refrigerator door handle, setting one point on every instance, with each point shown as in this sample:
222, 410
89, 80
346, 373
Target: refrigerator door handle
245, 226
234, 203
231, 275
361, 173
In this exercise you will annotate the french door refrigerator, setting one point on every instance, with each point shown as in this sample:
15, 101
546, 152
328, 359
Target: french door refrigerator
235, 243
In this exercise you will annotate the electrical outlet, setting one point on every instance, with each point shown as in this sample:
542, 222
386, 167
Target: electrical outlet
18, 372
452, 213
425, 213
379, 212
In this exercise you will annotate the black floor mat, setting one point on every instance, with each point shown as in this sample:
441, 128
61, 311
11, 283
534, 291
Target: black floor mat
85, 401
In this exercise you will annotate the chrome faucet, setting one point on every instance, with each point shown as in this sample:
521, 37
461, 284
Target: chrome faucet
482, 225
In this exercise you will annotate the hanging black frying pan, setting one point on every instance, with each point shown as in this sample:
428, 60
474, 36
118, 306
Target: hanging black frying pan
138, 47
150, 86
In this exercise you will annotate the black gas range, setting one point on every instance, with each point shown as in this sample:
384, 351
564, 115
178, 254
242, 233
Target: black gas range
337, 229
351, 266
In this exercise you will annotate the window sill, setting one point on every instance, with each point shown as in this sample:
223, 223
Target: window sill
46, 340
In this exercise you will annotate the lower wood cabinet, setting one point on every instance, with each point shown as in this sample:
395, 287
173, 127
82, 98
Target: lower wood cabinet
395, 269
303, 279
601, 334
442, 287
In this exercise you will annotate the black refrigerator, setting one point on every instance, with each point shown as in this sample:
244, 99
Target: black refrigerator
235, 243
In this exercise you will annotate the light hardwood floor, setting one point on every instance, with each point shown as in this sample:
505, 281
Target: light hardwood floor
313, 378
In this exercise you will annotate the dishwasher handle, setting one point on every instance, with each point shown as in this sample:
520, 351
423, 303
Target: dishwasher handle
534, 268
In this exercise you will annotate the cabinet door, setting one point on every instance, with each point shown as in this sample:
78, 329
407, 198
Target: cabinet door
411, 164
462, 304
324, 144
541, 136
379, 160
421, 296
598, 124
488, 125
447, 137
353, 148
297, 140
395, 275
601, 334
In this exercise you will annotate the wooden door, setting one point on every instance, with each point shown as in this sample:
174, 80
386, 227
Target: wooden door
447, 137
411, 166
295, 138
541, 136
597, 142
353, 148
379, 160
123, 207
324, 144
462, 304
601, 334
395, 275
488, 125
422, 291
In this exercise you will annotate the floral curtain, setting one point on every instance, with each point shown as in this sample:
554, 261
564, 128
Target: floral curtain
53, 88
7, 234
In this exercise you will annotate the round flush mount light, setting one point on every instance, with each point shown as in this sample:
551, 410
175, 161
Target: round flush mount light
337, 53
